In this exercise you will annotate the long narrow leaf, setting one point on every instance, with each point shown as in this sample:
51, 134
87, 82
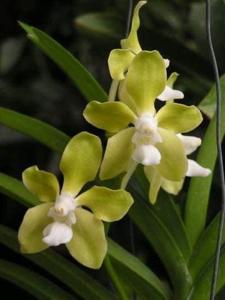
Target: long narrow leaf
41, 131
199, 189
58, 266
164, 244
136, 275
35, 284
84, 81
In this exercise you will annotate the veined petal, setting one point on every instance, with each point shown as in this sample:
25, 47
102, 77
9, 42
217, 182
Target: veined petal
178, 117
117, 154
110, 116
145, 80
88, 245
155, 180
57, 233
43, 184
195, 170
191, 143
80, 161
118, 62
132, 41
147, 155
170, 94
173, 164
106, 204
31, 230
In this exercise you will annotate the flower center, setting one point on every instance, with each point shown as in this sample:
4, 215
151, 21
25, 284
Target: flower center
145, 137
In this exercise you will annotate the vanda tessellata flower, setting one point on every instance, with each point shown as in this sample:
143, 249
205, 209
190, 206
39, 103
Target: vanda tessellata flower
143, 135
68, 217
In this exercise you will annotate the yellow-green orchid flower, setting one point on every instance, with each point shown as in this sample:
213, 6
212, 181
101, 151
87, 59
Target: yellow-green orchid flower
63, 217
152, 139
120, 59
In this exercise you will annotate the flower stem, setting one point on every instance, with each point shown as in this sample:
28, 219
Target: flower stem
115, 280
113, 90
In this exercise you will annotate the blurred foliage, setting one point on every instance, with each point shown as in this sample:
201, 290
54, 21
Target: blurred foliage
30, 83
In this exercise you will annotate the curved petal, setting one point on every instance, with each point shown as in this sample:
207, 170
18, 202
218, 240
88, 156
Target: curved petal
146, 155
173, 164
170, 94
155, 180
195, 170
41, 183
118, 62
178, 117
31, 230
132, 41
172, 187
117, 154
172, 79
110, 116
191, 143
88, 245
80, 161
145, 80
106, 204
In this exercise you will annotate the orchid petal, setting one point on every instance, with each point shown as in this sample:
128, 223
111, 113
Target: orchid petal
117, 154
80, 161
195, 170
41, 183
146, 155
110, 116
118, 62
131, 42
88, 244
145, 80
191, 143
172, 79
170, 94
106, 204
31, 230
154, 179
178, 117
172, 187
173, 164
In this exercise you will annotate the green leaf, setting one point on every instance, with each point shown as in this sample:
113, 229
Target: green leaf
164, 244
208, 104
199, 189
61, 268
202, 284
35, 284
41, 183
42, 132
84, 81
106, 204
16, 190
80, 161
136, 275
205, 248
166, 211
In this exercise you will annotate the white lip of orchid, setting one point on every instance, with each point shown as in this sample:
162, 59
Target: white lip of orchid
191, 143
63, 213
195, 170
145, 137
170, 94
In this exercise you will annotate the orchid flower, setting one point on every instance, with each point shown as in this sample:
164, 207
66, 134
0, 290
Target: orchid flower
120, 59
68, 217
152, 139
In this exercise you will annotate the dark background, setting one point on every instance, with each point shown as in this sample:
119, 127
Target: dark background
32, 84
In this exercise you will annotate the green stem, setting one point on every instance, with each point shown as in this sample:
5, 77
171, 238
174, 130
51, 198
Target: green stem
113, 90
115, 279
